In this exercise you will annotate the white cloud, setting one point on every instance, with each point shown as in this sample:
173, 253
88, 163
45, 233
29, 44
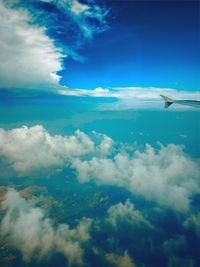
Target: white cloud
126, 213
120, 260
134, 97
100, 89
28, 57
168, 176
27, 229
32, 148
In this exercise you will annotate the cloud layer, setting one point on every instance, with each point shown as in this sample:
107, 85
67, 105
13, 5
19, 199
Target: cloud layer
27, 229
134, 97
166, 175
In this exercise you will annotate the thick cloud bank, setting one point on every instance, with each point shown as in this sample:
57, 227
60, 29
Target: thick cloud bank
28, 58
167, 176
27, 229
32, 148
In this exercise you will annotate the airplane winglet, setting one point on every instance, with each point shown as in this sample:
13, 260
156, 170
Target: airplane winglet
168, 101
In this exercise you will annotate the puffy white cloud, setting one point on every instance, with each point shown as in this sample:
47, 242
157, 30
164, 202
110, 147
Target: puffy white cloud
120, 260
126, 213
100, 89
32, 148
28, 57
27, 229
167, 176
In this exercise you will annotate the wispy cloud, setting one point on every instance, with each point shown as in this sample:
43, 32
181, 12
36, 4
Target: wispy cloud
81, 12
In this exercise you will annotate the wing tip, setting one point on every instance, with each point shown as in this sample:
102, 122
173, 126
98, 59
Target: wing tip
168, 101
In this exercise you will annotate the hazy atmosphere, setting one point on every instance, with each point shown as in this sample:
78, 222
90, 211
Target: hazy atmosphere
94, 171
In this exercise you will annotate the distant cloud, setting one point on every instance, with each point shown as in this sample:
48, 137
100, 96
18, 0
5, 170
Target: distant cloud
120, 260
97, 92
100, 89
183, 135
167, 176
27, 229
133, 97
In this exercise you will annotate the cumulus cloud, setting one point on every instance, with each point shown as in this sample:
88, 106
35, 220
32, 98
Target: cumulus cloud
134, 97
27, 229
126, 213
120, 260
28, 58
32, 148
167, 176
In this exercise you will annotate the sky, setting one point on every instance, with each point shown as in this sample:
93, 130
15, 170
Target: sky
94, 171
131, 51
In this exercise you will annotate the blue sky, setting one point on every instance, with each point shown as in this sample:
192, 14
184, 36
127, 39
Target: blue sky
131, 51
147, 44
